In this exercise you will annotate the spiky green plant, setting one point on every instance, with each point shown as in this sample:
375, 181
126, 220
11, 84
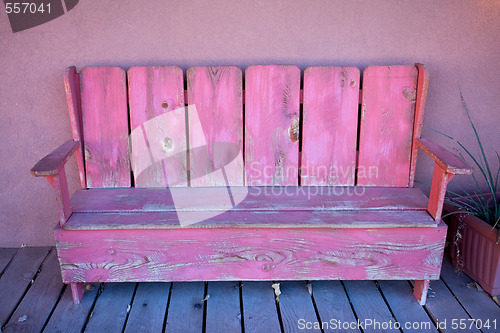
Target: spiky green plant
483, 204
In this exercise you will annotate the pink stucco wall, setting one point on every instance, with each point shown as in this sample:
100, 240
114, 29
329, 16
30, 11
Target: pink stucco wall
459, 41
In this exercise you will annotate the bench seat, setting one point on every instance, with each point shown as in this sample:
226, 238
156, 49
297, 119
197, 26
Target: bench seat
253, 207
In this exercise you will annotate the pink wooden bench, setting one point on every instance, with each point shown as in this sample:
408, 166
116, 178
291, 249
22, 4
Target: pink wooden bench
265, 181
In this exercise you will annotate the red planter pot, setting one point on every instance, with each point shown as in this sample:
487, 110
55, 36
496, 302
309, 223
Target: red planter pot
474, 250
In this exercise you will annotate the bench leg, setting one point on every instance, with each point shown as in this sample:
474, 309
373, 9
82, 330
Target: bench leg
77, 290
420, 290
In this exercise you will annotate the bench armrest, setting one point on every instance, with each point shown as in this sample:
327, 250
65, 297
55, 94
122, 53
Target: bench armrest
448, 161
52, 168
446, 165
51, 164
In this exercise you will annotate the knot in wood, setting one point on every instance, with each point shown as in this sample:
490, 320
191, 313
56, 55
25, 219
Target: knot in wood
167, 144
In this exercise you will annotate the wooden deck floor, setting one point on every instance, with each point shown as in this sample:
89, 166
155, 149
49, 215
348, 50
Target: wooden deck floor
33, 299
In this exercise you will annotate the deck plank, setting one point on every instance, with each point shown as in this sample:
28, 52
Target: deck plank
149, 307
259, 307
6, 255
185, 311
475, 302
407, 311
333, 303
110, 311
40, 299
444, 307
369, 305
296, 306
68, 316
17, 278
223, 307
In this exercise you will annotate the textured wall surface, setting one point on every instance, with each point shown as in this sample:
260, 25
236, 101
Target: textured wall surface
458, 41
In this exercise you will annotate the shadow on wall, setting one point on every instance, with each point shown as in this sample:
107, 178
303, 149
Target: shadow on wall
26, 15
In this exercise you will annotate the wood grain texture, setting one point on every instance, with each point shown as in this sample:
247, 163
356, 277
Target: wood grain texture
398, 295
259, 307
333, 303
302, 219
6, 255
215, 126
369, 306
443, 308
257, 199
59, 183
448, 161
185, 311
295, 305
158, 126
150, 305
41, 297
16, 279
330, 125
272, 125
440, 180
386, 129
223, 307
249, 254
478, 304
68, 316
73, 97
422, 88
110, 310
105, 126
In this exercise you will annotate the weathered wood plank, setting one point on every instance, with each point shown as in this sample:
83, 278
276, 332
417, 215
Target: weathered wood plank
330, 125
105, 126
185, 311
250, 254
158, 126
267, 219
386, 132
69, 317
369, 306
408, 313
17, 278
111, 307
215, 126
443, 308
422, 87
448, 161
259, 307
54, 161
297, 309
479, 305
73, 97
257, 198
332, 303
6, 255
223, 307
272, 125
149, 308
40, 299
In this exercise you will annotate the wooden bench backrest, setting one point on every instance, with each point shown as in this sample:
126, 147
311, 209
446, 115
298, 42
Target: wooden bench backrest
344, 141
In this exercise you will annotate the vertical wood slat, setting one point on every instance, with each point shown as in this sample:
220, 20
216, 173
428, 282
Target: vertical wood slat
158, 126
215, 126
73, 97
272, 125
386, 129
330, 124
105, 126
422, 87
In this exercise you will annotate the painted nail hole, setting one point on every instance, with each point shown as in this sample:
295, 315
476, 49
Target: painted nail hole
352, 83
164, 105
